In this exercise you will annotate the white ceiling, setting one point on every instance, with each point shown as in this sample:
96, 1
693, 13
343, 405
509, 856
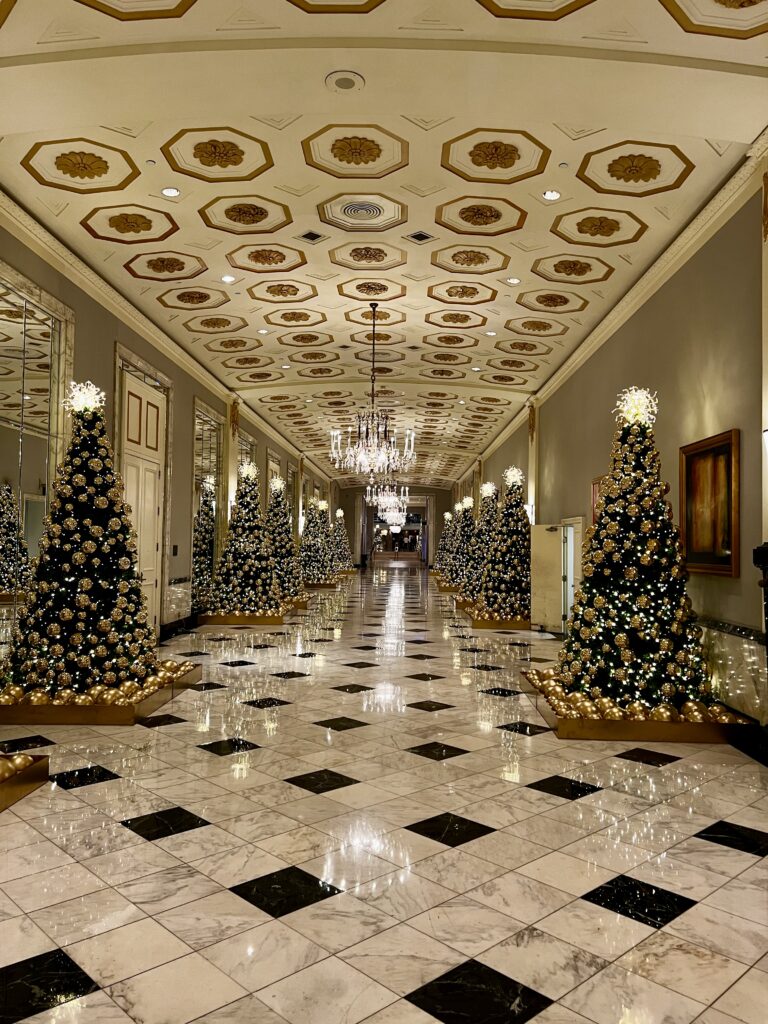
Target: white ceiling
465, 120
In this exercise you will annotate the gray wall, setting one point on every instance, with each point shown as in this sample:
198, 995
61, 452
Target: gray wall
697, 342
514, 452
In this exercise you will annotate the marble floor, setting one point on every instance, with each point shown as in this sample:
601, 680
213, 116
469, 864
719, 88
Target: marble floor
361, 816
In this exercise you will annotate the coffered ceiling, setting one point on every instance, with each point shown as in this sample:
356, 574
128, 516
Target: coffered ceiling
332, 154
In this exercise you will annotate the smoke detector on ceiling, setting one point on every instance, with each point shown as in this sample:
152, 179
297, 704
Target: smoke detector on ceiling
345, 81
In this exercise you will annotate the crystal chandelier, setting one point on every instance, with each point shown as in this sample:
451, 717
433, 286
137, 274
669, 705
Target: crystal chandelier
374, 449
386, 495
394, 518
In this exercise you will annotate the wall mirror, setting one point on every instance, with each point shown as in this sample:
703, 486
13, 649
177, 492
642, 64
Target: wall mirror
247, 448
209, 518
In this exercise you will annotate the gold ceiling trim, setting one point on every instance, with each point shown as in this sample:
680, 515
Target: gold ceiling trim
494, 8
104, 7
6, 6
313, 7
30, 168
687, 24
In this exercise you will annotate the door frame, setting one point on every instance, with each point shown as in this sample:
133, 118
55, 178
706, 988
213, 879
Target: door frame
128, 362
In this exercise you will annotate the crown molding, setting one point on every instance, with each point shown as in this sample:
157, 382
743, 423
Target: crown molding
44, 244
739, 188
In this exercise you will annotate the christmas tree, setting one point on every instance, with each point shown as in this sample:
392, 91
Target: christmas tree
632, 643
84, 637
444, 544
280, 537
316, 560
244, 580
464, 529
485, 530
14, 557
203, 541
342, 556
505, 588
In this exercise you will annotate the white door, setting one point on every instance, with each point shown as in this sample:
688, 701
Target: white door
548, 577
143, 465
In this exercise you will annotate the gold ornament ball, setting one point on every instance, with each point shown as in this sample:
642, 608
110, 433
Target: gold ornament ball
22, 761
7, 770
664, 713
129, 688
613, 714
39, 697
727, 718
170, 664
714, 711
151, 681
109, 697
575, 698
6, 698
636, 707
603, 703
695, 716
83, 700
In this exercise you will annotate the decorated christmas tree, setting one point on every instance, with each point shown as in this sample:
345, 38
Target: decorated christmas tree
632, 644
280, 537
505, 588
83, 637
316, 560
444, 544
342, 556
203, 543
479, 548
14, 557
464, 530
245, 580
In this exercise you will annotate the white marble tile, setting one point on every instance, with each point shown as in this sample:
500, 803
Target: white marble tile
616, 856
614, 995
457, 869
263, 955
175, 993
402, 958
299, 845
747, 999
96, 1008
400, 1012
48, 887
466, 925
681, 966
31, 859
347, 867
240, 864
724, 933
85, 916
168, 888
248, 1010
20, 938
211, 919
505, 849
678, 876
123, 952
199, 842
132, 862
402, 894
599, 931
339, 922
567, 873
523, 898
330, 992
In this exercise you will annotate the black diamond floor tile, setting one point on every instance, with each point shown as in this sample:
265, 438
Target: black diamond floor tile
203, 687
161, 824
370, 634
261, 647
194, 654
154, 722
501, 691
429, 705
737, 837
266, 702
418, 641
360, 664
518, 643
353, 688
24, 743
424, 677
524, 728
436, 751
651, 757
487, 668
450, 829
237, 664
568, 789
79, 777
284, 891
42, 982
290, 675
234, 745
306, 654
475, 994
322, 781
421, 657
320, 640
541, 661
472, 650
341, 724
365, 647
639, 901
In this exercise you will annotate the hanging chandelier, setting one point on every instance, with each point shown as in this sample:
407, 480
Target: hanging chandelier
394, 518
386, 495
374, 449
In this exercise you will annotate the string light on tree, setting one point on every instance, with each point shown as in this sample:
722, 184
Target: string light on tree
444, 544
342, 556
315, 553
14, 556
203, 549
482, 538
279, 531
504, 593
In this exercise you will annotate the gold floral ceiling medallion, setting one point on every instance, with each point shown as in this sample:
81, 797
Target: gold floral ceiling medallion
449, 339
295, 317
494, 155
737, 5
456, 318
536, 325
634, 167
283, 291
598, 226
469, 258
480, 214
129, 223
462, 291
381, 315
218, 153
215, 323
193, 298
246, 213
367, 254
572, 268
165, 265
371, 288
81, 165
522, 346
353, 149
305, 339
551, 300
231, 343
266, 257
248, 360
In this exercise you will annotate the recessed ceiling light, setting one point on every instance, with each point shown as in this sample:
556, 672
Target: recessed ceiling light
513, 280
262, 330
150, 163
551, 194
228, 279
285, 366
490, 334
461, 401
170, 192
308, 401
477, 369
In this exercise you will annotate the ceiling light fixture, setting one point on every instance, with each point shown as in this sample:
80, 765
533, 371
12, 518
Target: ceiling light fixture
170, 192
228, 279
490, 334
551, 194
285, 366
477, 369
513, 280
262, 330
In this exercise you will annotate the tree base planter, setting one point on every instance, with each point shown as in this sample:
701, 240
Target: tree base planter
321, 586
446, 588
301, 603
239, 619
97, 714
499, 623
348, 572
462, 603
24, 782
10, 598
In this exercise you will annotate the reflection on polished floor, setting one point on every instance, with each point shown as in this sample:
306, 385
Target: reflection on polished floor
361, 817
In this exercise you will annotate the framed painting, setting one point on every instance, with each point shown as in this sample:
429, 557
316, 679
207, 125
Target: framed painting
709, 504
273, 465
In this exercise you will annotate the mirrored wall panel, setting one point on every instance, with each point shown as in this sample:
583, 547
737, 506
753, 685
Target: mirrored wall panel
209, 519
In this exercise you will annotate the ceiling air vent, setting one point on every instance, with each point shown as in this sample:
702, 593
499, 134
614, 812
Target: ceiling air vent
420, 237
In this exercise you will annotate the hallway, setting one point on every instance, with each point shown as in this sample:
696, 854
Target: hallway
361, 816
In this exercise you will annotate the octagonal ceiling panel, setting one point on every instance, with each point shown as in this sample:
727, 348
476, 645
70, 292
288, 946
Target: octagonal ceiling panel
570, 269
80, 165
496, 155
508, 380
538, 326
266, 259
375, 256
337, 6
464, 320
215, 323
597, 226
165, 265
526, 348
477, 215
355, 151
140, 10
446, 358
242, 362
236, 344
283, 291
547, 301
387, 355
371, 288
451, 341
470, 259
732, 19
193, 298
217, 154
384, 317
295, 317
383, 338
362, 212
245, 214
305, 339
540, 10
129, 224
635, 168
462, 292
